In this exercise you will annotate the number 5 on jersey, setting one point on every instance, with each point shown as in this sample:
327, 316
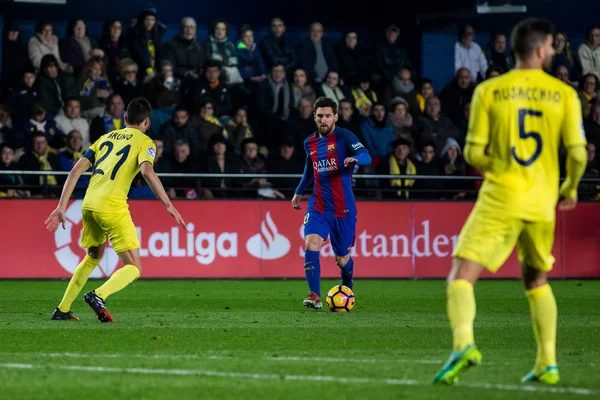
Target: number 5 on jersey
123, 153
523, 134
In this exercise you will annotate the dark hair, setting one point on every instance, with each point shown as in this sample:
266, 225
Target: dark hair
71, 27
110, 98
211, 29
492, 69
39, 27
37, 109
72, 98
212, 64
589, 30
243, 29
426, 80
138, 110
326, 102
528, 34
180, 108
38, 134
584, 77
462, 29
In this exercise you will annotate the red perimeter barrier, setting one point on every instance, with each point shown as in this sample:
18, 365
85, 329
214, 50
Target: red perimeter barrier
263, 239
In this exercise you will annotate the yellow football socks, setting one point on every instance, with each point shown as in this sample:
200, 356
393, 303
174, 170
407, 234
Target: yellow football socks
80, 277
461, 312
118, 281
542, 305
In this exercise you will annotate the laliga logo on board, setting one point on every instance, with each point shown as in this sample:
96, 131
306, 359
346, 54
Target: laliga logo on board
269, 244
65, 254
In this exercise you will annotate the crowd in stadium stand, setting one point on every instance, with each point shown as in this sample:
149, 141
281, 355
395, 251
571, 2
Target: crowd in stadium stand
246, 106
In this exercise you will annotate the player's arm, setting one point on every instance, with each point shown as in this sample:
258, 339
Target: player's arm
58, 215
575, 142
147, 171
307, 177
478, 135
360, 155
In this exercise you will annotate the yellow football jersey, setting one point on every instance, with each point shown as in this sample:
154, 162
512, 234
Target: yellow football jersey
116, 158
521, 118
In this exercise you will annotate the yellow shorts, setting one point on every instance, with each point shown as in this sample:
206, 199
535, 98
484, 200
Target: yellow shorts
489, 237
119, 229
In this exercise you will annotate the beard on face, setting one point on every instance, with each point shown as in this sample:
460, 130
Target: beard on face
325, 129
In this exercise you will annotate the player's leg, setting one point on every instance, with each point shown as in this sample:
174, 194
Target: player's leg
535, 255
485, 242
92, 238
123, 236
343, 233
316, 231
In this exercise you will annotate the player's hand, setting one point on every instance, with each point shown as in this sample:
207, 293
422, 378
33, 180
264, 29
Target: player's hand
56, 219
567, 204
349, 160
296, 201
174, 213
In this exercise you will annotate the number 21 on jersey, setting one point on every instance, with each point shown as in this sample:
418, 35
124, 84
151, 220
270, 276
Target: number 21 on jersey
525, 135
121, 154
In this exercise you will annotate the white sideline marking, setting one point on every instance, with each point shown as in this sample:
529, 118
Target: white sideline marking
325, 378
222, 357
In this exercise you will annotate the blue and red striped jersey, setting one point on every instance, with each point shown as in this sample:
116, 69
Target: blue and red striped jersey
332, 192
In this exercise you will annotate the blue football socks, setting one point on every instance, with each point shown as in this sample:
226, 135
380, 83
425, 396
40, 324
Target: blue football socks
347, 271
312, 269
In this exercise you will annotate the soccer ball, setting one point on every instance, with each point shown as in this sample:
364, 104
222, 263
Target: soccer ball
340, 299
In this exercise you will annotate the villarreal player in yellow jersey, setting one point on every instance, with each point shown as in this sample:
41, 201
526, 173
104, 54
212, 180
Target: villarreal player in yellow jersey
115, 158
518, 122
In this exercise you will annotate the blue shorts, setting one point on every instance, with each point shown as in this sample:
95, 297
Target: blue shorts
341, 231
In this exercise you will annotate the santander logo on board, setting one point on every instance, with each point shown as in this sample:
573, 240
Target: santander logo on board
269, 244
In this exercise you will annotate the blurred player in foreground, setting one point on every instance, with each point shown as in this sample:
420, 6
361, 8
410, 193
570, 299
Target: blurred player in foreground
116, 158
331, 153
518, 121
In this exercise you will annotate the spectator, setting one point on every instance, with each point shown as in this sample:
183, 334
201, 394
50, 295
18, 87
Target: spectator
15, 59
219, 49
588, 92
94, 88
456, 94
69, 119
41, 121
425, 92
274, 105
403, 86
55, 86
126, 84
276, 48
76, 49
468, 54
221, 161
45, 43
184, 51
284, 162
497, 54
428, 165
206, 125
331, 88
592, 125
7, 134
145, 42
562, 73
392, 56
400, 118
112, 119
378, 134
316, 55
185, 188
301, 126
164, 90
493, 72
114, 45
41, 158
10, 185
252, 163
350, 119
453, 164
209, 88
238, 129
364, 96
22, 95
69, 156
354, 60
589, 190
301, 89
432, 125
180, 128
139, 186
398, 163
589, 52
251, 64
563, 55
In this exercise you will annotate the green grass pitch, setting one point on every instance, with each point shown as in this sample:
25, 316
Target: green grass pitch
254, 340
